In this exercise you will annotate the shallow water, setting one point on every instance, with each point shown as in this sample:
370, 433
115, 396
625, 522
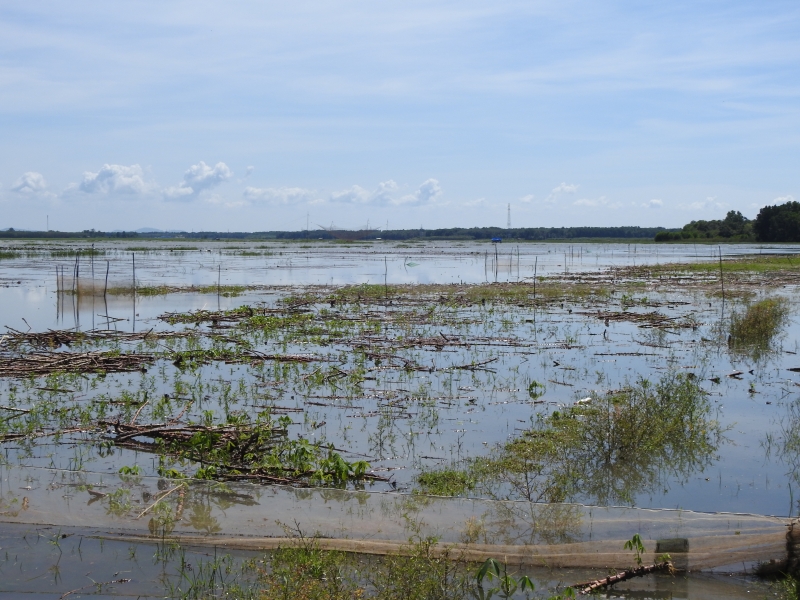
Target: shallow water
83, 562
403, 422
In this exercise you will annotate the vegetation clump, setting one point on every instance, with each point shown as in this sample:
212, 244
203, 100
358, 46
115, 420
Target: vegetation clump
257, 451
758, 325
605, 451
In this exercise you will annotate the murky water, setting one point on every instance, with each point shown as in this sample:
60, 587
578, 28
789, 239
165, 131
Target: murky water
403, 422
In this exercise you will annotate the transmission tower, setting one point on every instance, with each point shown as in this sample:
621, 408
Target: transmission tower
508, 223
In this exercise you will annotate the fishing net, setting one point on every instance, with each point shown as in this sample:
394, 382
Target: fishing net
246, 516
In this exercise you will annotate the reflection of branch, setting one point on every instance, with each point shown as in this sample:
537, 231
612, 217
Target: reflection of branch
159, 499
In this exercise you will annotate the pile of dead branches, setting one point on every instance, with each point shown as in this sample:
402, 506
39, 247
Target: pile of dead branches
47, 363
54, 339
222, 317
650, 320
259, 451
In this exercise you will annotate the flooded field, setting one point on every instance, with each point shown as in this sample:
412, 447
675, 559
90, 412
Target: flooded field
231, 389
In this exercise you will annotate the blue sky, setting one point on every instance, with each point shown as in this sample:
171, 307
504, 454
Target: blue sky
261, 115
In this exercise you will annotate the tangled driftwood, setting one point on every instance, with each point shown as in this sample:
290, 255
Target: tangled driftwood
46, 363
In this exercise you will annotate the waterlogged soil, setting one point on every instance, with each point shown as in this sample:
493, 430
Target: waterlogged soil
370, 364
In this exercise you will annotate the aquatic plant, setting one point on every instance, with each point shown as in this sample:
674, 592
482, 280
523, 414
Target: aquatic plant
605, 451
758, 325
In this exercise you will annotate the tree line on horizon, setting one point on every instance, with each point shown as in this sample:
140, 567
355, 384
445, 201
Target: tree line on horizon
452, 233
779, 223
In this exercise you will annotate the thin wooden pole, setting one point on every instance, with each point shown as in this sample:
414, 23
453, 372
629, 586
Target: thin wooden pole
721, 279
133, 258
105, 289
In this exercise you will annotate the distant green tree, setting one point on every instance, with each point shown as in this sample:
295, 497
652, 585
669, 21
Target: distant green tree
780, 223
734, 227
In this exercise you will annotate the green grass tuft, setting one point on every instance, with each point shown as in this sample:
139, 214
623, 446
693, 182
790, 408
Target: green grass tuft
759, 324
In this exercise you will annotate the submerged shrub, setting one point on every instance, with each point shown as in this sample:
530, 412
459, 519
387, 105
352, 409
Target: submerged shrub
605, 451
759, 324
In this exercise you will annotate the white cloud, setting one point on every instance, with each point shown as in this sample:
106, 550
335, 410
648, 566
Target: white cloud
283, 195
527, 199
197, 178
476, 202
116, 179
30, 183
428, 193
249, 171
384, 195
709, 202
559, 190
353, 195
776, 201
654, 203
178, 192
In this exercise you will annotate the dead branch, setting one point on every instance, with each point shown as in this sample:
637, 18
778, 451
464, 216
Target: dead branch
588, 587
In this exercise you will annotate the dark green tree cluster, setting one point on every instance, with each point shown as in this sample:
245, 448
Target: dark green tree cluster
735, 227
779, 223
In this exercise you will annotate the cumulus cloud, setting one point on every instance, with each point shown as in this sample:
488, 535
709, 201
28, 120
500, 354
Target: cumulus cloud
198, 178
560, 190
353, 195
282, 195
779, 200
116, 179
30, 183
386, 194
655, 203
428, 193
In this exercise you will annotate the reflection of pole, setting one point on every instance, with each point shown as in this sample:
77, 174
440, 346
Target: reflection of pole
133, 258
721, 279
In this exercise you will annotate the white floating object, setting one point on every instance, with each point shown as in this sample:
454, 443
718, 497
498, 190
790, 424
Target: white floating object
584, 400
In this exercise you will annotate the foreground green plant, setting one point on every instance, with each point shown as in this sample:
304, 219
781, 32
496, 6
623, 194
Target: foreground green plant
507, 584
